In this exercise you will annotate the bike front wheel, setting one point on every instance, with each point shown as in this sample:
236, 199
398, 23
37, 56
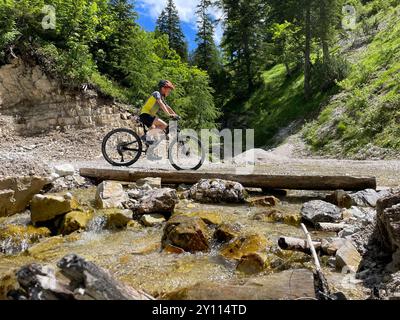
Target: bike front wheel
186, 153
122, 147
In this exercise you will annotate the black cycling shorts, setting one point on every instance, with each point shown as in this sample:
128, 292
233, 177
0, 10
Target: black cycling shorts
147, 119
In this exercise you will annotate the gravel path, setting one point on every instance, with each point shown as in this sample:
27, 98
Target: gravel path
34, 155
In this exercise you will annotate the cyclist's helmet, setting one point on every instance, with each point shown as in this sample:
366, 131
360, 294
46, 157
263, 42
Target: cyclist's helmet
166, 84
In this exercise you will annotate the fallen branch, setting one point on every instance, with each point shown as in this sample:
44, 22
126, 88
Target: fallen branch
295, 244
322, 284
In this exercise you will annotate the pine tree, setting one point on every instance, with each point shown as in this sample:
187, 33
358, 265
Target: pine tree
111, 51
245, 26
169, 23
206, 55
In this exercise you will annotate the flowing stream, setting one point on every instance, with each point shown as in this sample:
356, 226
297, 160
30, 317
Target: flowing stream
134, 255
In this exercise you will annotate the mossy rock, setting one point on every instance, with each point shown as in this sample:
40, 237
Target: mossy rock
275, 215
210, 218
19, 237
117, 218
47, 250
188, 233
226, 232
50, 206
245, 245
253, 263
75, 221
8, 282
263, 201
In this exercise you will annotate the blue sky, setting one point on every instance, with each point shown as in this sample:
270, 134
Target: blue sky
149, 10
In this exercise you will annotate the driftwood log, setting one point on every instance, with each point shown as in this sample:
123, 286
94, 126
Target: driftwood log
295, 244
259, 180
330, 227
79, 280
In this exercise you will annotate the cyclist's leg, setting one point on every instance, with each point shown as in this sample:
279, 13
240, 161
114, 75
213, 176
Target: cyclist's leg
159, 124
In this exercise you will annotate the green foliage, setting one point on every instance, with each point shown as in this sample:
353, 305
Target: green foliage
326, 75
169, 24
243, 43
370, 99
206, 55
98, 43
287, 48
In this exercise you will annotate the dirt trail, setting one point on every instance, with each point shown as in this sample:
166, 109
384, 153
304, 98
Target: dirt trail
27, 155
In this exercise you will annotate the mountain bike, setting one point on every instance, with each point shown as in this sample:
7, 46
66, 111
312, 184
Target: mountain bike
123, 147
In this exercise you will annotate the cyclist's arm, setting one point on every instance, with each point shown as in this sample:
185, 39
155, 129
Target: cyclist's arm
167, 109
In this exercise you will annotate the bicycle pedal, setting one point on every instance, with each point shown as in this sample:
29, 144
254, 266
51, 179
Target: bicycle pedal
148, 142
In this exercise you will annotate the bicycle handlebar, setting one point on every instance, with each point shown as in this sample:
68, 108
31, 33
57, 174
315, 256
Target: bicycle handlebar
176, 118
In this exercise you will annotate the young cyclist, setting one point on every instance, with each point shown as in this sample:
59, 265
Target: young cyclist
148, 114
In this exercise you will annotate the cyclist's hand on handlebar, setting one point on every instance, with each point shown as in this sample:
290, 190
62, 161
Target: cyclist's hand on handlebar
176, 117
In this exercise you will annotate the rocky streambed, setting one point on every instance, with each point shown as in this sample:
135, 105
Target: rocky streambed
213, 240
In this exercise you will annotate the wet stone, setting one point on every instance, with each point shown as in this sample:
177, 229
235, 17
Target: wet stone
188, 233
320, 211
218, 191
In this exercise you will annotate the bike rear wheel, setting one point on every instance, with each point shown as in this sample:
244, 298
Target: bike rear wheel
186, 153
122, 147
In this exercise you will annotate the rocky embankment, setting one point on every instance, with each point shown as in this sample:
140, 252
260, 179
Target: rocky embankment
353, 233
42, 123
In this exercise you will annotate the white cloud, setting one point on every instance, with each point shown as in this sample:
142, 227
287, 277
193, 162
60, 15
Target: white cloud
186, 9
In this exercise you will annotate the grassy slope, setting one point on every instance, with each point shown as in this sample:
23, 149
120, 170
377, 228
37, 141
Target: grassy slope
361, 112
364, 120
279, 102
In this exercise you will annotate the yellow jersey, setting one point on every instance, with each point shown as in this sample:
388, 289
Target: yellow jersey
151, 106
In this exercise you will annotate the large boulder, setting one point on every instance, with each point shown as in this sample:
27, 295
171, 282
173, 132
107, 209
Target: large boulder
47, 207
157, 201
244, 245
188, 233
110, 194
388, 222
218, 191
369, 197
16, 193
320, 211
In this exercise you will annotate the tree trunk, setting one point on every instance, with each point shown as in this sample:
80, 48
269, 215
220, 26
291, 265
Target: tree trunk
250, 84
324, 31
307, 52
288, 71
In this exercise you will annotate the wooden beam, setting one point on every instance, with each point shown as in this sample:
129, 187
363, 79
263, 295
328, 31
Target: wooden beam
257, 180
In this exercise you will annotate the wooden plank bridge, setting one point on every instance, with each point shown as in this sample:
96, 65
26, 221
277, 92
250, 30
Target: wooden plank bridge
256, 180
